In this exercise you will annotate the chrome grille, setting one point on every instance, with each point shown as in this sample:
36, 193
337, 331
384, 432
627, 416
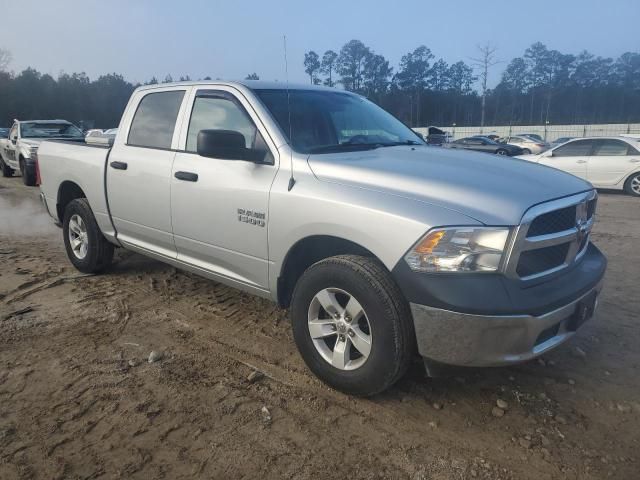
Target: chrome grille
552, 236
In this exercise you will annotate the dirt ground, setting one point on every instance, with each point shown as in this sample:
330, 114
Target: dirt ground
79, 399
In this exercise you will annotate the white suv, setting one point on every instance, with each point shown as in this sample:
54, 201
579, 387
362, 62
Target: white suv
606, 162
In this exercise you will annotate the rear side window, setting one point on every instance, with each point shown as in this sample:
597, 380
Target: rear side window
579, 148
611, 148
155, 120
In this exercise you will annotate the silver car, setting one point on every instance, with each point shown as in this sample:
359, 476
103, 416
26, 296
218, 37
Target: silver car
529, 145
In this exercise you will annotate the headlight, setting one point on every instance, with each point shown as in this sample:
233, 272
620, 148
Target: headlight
459, 249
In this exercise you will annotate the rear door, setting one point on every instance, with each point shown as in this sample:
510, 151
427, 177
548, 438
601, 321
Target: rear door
219, 207
610, 161
139, 170
571, 157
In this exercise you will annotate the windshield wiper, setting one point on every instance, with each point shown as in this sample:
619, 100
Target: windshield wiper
397, 144
342, 147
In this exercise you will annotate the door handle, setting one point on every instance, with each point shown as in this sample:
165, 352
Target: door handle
581, 161
118, 165
186, 176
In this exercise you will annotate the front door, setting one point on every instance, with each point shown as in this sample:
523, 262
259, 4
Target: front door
219, 208
571, 157
10, 147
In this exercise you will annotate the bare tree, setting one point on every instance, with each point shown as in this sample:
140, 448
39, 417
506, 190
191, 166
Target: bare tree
5, 59
484, 62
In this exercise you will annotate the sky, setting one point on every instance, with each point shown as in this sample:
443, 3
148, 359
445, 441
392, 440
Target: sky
230, 39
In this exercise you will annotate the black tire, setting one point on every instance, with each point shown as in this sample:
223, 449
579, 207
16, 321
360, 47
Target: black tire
99, 253
392, 335
502, 151
28, 174
7, 171
630, 182
526, 151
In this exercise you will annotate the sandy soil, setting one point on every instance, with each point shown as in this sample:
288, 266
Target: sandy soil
79, 399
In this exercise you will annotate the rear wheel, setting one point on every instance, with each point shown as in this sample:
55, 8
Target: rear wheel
7, 171
632, 185
526, 151
351, 324
502, 151
86, 247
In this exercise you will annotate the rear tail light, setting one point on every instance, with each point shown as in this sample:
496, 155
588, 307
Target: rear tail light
541, 144
38, 179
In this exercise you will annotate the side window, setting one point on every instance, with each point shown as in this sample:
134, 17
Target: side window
155, 120
515, 140
219, 113
579, 148
611, 148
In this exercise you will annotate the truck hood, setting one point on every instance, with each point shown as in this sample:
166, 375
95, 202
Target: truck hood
31, 142
491, 189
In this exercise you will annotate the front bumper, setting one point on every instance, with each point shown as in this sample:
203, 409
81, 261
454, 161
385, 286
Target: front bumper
490, 320
465, 339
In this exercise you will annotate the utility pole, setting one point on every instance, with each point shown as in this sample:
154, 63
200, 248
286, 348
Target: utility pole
484, 62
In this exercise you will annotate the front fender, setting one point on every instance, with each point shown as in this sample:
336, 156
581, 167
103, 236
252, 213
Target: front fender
384, 224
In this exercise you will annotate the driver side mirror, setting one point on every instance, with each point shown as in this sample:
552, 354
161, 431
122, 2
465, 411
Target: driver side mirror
14, 139
227, 145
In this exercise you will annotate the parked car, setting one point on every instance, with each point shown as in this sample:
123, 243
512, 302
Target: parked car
18, 150
376, 242
606, 162
437, 136
101, 137
527, 144
560, 141
535, 136
484, 144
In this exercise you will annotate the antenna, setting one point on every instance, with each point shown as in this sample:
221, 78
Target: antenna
292, 180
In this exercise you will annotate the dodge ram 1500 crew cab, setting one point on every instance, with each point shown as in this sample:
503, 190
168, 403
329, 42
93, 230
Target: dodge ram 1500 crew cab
17, 151
321, 201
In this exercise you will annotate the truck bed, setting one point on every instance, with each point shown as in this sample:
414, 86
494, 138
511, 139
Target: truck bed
62, 162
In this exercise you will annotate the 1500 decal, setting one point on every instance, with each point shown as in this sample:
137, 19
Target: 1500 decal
251, 217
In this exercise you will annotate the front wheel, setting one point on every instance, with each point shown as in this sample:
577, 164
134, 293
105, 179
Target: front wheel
28, 174
86, 247
502, 151
632, 185
351, 324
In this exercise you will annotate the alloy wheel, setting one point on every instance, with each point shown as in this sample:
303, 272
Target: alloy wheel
78, 237
339, 329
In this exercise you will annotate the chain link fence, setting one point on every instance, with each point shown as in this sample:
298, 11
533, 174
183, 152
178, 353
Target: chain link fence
548, 132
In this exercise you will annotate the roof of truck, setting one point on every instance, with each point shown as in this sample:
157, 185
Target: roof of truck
250, 84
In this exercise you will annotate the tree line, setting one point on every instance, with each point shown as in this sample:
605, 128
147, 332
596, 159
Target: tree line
542, 85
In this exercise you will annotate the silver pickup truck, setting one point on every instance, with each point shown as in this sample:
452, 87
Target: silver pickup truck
316, 198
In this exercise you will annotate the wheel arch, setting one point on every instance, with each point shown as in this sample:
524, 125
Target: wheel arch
67, 192
307, 251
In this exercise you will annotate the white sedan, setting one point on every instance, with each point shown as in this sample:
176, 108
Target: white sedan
606, 162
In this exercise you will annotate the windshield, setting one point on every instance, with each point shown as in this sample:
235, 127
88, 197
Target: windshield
327, 121
49, 130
